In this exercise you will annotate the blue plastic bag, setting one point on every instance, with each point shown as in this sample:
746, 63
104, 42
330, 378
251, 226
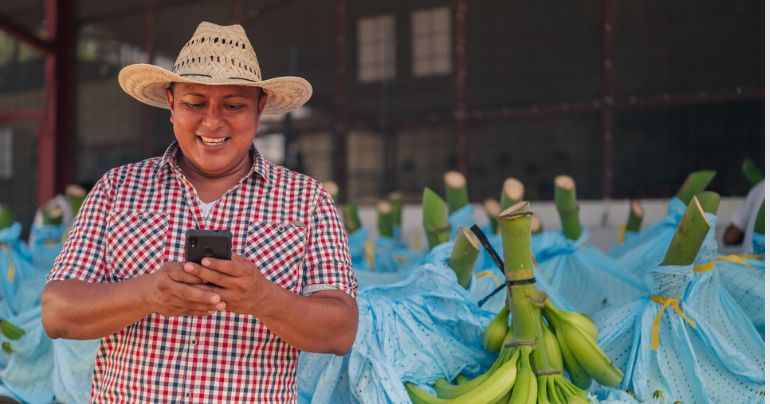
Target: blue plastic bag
649, 248
26, 373
758, 243
74, 362
45, 243
21, 283
582, 275
462, 217
419, 330
695, 360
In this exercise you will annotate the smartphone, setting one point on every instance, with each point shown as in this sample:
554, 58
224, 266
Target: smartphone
207, 243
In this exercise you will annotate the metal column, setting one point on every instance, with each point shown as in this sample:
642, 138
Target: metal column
341, 111
461, 89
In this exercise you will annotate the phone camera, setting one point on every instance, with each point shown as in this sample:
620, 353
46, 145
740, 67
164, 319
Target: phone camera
193, 242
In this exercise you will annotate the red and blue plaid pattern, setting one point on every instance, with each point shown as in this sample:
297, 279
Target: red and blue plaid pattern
135, 219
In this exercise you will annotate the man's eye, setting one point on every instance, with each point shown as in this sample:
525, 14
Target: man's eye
235, 107
193, 105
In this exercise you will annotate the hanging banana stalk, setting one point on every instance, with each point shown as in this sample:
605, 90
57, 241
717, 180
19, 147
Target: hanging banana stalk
692, 230
759, 224
385, 219
464, 254
7, 217
752, 173
396, 200
566, 204
456, 190
352, 220
434, 218
492, 209
696, 182
635, 216
75, 195
512, 193
52, 215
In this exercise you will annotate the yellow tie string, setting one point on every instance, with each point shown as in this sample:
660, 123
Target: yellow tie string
703, 267
487, 274
622, 234
672, 302
740, 259
11, 268
369, 254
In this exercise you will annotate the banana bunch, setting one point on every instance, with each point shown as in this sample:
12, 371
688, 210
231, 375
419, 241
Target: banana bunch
585, 360
535, 348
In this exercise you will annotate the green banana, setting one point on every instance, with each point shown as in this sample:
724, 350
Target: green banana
461, 379
7, 347
552, 348
574, 394
554, 394
580, 320
589, 355
577, 374
525, 388
494, 388
10, 330
444, 389
496, 330
542, 391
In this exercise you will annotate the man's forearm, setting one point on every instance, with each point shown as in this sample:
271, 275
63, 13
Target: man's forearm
325, 322
81, 310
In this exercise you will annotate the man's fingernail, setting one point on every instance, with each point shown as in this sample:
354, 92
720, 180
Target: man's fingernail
205, 262
215, 299
221, 306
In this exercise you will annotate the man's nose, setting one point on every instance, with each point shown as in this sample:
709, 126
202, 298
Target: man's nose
212, 118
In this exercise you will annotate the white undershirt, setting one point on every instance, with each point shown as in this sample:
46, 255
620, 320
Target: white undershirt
206, 208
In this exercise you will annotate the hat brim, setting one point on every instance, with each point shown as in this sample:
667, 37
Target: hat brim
147, 83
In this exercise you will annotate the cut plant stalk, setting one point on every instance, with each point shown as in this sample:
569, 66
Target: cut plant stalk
752, 173
759, 224
434, 218
692, 230
512, 193
396, 200
565, 196
492, 208
75, 195
384, 219
333, 189
352, 221
696, 182
52, 215
635, 216
7, 217
456, 189
464, 254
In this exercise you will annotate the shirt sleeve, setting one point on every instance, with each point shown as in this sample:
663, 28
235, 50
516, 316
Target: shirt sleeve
327, 262
83, 255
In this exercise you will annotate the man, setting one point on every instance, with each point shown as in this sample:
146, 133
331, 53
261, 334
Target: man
168, 334
741, 227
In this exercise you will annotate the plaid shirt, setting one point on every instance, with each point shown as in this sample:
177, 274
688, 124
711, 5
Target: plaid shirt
135, 219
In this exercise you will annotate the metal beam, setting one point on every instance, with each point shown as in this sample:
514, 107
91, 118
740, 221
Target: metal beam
26, 114
25, 35
607, 91
461, 85
341, 111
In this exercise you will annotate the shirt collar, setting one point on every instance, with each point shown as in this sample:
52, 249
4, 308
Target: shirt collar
169, 159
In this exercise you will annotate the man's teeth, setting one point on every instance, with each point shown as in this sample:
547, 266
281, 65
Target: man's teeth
213, 140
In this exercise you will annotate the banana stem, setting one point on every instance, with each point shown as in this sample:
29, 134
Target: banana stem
456, 190
396, 200
691, 231
52, 216
635, 215
75, 195
565, 196
696, 182
384, 219
515, 225
464, 254
752, 173
512, 193
352, 221
7, 217
434, 219
492, 208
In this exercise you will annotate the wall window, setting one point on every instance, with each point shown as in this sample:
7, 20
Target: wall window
431, 42
376, 48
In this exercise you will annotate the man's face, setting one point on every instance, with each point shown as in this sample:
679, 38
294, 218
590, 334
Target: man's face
215, 125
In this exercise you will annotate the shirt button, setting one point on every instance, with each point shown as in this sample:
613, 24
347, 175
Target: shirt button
187, 394
194, 341
281, 229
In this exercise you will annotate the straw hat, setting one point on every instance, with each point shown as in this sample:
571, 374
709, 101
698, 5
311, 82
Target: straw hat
215, 55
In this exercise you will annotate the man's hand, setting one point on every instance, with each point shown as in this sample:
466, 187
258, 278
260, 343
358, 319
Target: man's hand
171, 291
241, 284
